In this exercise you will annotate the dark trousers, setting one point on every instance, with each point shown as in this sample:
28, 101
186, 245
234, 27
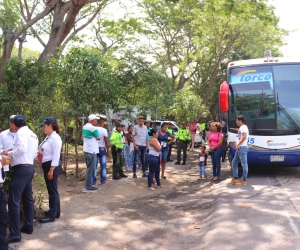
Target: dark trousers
142, 150
181, 145
170, 151
3, 220
154, 169
117, 162
54, 200
20, 187
216, 161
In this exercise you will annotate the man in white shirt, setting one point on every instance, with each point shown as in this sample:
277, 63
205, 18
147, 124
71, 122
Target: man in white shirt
90, 136
7, 136
103, 152
4, 161
241, 152
24, 151
139, 138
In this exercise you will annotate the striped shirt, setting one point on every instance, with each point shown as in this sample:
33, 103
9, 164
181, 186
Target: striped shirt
90, 134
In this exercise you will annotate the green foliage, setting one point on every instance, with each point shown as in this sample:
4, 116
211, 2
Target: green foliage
188, 106
39, 194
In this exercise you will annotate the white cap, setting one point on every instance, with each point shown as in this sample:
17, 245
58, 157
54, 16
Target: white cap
92, 117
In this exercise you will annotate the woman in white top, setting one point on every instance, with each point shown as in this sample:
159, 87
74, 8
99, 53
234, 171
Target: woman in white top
49, 153
153, 159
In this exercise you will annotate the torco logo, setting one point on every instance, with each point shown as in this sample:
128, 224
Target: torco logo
271, 143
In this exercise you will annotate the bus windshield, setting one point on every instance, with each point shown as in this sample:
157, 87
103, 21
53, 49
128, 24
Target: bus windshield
267, 96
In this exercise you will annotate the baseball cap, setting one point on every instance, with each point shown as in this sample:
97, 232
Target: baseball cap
120, 125
92, 117
19, 121
48, 120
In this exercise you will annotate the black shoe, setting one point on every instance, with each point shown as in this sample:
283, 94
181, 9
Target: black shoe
117, 178
183, 163
123, 176
26, 230
170, 160
177, 163
134, 175
13, 239
57, 216
47, 219
92, 188
144, 175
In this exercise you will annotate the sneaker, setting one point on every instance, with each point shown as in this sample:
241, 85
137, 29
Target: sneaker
233, 181
134, 175
144, 175
104, 183
93, 188
93, 183
241, 182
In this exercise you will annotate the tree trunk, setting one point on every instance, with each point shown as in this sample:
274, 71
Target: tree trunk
61, 27
8, 45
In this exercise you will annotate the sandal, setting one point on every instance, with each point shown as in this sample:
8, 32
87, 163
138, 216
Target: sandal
211, 178
216, 178
151, 188
160, 186
164, 177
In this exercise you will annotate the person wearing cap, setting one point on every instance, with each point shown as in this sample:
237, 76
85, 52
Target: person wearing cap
117, 143
103, 145
24, 151
140, 143
183, 136
91, 136
4, 161
50, 150
7, 136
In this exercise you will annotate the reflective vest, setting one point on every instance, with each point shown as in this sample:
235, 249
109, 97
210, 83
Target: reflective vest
117, 139
183, 134
202, 125
171, 132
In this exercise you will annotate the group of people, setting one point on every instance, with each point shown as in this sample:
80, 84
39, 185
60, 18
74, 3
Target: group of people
18, 149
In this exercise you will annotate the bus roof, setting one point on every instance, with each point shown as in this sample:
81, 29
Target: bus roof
263, 61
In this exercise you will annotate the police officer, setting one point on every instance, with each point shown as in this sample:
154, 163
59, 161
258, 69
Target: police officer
3, 212
117, 142
183, 138
23, 153
170, 130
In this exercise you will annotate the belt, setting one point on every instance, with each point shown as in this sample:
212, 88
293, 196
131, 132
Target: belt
1, 185
21, 165
183, 140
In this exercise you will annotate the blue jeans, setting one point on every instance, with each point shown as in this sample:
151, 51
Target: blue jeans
142, 150
20, 187
240, 156
102, 156
154, 169
128, 157
202, 170
90, 160
216, 161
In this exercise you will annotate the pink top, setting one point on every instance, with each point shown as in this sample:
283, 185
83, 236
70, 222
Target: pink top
192, 128
214, 138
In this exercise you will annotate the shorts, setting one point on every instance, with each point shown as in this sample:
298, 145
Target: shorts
164, 155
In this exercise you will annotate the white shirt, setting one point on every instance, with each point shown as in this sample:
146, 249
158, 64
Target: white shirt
51, 148
25, 147
140, 135
103, 133
6, 140
90, 143
5, 169
243, 129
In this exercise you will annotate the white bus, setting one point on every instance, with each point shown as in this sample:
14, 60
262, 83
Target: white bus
266, 92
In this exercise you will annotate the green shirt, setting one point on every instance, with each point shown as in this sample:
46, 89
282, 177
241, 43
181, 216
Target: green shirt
171, 132
117, 139
183, 134
203, 125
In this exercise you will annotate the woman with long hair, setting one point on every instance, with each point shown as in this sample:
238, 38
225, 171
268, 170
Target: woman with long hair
153, 159
49, 153
129, 148
164, 143
216, 149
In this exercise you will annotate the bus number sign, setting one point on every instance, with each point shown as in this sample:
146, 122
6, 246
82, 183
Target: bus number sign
276, 158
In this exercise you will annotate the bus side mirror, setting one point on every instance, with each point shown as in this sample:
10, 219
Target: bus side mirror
224, 92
